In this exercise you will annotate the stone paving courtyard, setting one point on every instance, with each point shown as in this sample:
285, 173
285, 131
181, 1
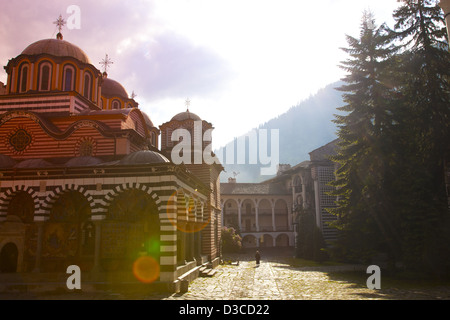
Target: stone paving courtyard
274, 279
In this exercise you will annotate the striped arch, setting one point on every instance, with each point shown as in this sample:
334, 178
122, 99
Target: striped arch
238, 203
7, 196
53, 196
253, 201
109, 198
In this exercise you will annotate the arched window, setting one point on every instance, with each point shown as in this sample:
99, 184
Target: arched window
45, 76
87, 85
133, 227
115, 104
23, 78
22, 206
68, 78
153, 139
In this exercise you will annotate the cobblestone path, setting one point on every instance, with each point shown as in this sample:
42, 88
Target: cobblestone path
277, 280
273, 279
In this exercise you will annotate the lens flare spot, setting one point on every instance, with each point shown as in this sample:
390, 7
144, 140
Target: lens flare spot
188, 218
146, 269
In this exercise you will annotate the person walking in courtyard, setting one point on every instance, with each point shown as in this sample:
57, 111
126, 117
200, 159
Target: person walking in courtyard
257, 257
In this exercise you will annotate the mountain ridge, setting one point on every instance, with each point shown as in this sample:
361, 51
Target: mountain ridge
301, 129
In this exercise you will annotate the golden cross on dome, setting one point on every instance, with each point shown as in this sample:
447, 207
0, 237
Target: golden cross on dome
106, 62
187, 103
60, 22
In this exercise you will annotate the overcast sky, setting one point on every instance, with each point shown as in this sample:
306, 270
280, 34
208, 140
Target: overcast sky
240, 62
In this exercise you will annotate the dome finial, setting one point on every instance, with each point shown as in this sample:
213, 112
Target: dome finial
106, 62
60, 22
187, 103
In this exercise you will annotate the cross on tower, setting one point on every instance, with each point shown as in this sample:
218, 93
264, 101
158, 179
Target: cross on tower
60, 22
106, 63
187, 103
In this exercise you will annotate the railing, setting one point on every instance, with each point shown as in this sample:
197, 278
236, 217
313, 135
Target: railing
268, 229
261, 212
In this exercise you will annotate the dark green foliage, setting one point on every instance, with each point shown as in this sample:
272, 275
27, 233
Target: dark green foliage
231, 241
364, 146
422, 134
394, 142
310, 243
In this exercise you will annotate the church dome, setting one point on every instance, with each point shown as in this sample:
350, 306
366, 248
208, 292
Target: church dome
6, 161
148, 122
143, 157
83, 161
33, 163
58, 48
113, 88
186, 116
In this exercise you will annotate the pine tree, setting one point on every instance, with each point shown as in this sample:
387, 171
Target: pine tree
421, 133
363, 223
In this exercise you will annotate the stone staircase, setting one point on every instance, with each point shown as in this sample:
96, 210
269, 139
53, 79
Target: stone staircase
207, 272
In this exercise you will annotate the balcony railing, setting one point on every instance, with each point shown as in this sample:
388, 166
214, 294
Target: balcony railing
261, 212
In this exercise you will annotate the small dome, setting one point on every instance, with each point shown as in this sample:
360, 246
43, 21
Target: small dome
6, 161
58, 48
186, 116
83, 161
33, 163
143, 157
148, 122
112, 88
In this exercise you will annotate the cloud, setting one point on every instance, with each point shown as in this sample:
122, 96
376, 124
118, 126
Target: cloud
148, 58
170, 66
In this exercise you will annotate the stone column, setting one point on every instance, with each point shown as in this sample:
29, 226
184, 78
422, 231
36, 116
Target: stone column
289, 216
40, 226
274, 227
304, 204
222, 205
317, 202
256, 216
197, 247
239, 216
191, 243
98, 238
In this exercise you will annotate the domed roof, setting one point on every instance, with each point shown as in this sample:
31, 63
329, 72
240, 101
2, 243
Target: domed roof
148, 122
143, 157
186, 116
58, 48
33, 163
111, 87
6, 161
83, 161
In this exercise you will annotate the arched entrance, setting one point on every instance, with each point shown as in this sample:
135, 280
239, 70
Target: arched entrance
249, 241
266, 241
132, 229
282, 240
21, 206
8, 258
68, 237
